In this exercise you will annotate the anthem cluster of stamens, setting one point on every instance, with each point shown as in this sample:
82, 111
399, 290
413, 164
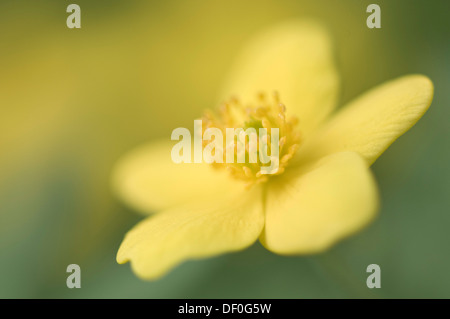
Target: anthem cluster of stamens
267, 113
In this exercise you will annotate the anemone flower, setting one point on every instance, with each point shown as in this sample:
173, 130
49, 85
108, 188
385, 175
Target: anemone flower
324, 190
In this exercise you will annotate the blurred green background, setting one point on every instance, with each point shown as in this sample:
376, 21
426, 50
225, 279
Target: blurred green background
73, 101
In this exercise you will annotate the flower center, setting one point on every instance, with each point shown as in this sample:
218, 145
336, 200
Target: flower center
265, 137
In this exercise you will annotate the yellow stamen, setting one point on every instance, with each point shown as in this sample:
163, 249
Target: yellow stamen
268, 113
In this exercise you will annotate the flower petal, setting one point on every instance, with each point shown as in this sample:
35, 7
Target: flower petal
371, 123
147, 179
196, 230
320, 205
294, 59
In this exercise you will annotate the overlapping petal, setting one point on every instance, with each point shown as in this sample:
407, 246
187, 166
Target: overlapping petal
148, 180
372, 122
295, 59
195, 230
310, 210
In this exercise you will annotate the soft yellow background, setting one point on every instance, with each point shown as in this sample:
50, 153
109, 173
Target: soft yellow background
73, 101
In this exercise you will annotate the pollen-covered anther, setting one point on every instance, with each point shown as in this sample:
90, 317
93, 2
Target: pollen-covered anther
255, 158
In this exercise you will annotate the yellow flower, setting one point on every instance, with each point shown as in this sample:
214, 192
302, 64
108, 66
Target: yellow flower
326, 191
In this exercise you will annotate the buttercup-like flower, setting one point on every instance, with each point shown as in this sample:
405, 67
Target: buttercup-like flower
324, 191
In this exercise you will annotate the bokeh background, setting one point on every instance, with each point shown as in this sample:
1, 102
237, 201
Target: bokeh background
73, 101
